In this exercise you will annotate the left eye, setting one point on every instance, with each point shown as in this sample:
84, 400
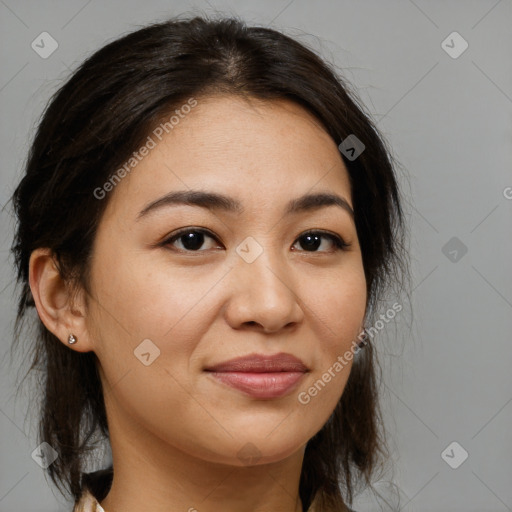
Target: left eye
312, 240
191, 240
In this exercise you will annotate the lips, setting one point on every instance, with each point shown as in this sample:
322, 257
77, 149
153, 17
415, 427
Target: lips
261, 376
259, 363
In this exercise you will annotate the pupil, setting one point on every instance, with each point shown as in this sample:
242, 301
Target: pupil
193, 240
313, 242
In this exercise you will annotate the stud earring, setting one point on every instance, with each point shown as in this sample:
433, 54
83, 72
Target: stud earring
72, 339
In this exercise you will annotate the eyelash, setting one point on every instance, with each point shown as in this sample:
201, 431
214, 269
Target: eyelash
339, 243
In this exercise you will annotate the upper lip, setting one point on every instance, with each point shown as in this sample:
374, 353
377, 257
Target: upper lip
261, 363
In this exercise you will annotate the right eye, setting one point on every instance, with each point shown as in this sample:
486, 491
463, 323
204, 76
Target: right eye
191, 239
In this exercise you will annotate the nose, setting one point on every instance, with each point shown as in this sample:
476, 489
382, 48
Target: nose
263, 295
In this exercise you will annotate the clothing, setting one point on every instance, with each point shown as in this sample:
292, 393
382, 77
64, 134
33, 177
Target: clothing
88, 503
96, 487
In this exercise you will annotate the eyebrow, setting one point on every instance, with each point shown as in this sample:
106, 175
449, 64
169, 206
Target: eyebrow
216, 201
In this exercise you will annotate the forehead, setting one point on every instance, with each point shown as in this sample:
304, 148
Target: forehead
256, 150
245, 128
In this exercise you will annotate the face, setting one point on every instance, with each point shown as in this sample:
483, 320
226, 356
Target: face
180, 288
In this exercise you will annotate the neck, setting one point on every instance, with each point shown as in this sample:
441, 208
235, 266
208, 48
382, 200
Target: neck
150, 474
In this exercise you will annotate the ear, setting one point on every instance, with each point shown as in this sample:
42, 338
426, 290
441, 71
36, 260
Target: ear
62, 312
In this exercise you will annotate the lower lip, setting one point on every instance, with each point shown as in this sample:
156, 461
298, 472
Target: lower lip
261, 385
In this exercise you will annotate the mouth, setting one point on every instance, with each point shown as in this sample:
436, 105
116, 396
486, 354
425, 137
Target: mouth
261, 376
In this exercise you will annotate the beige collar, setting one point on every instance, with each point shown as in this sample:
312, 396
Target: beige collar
88, 503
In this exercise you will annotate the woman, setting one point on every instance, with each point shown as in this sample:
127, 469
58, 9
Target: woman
206, 223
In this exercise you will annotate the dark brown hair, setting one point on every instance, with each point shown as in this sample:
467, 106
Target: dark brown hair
92, 125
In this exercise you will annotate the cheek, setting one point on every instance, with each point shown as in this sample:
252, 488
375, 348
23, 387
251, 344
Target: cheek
165, 313
338, 307
168, 308
147, 297
337, 312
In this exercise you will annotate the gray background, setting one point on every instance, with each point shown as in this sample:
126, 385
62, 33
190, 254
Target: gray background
449, 122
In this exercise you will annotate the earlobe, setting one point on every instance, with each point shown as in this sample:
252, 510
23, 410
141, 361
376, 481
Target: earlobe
56, 307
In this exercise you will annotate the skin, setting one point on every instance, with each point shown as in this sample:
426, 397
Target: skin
176, 433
